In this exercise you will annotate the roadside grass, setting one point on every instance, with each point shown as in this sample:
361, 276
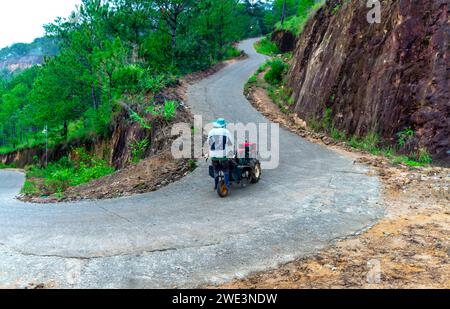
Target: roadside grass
138, 149
3, 166
6, 150
281, 96
58, 176
266, 47
192, 165
231, 52
296, 23
276, 72
252, 81
370, 143
262, 67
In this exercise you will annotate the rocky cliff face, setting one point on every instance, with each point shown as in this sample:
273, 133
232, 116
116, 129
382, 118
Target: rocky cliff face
380, 78
14, 64
22, 56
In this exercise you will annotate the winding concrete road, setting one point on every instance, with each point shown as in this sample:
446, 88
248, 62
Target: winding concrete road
184, 235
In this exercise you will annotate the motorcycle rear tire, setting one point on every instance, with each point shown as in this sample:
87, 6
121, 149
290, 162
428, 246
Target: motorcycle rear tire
256, 173
222, 189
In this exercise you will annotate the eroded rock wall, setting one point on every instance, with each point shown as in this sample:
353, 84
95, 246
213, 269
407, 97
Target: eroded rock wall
379, 78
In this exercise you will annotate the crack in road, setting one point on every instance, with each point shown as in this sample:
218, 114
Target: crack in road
115, 214
137, 254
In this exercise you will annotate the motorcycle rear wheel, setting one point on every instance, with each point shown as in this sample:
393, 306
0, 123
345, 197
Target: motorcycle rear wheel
256, 173
222, 189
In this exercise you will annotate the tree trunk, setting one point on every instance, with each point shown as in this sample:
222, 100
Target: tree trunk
174, 38
220, 37
100, 85
65, 129
283, 13
94, 99
110, 89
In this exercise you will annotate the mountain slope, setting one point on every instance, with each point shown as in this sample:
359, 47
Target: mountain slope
22, 56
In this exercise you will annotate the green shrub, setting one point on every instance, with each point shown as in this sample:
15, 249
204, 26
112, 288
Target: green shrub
296, 23
277, 69
170, 109
327, 120
368, 143
281, 96
192, 165
266, 47
154, 83
404, 159
325, 124
399, 159
388, 152
424, 157
3, 166
95, 121
30, 188
138, 149
231, 52
337, 135
262, 67
127, 79
314, 124
65, 173
142, 122
404, 136
253, 80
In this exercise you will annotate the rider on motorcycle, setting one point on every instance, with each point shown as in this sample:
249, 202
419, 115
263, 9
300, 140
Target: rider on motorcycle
220, 150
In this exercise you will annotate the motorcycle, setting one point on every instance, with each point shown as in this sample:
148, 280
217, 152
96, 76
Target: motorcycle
244, 166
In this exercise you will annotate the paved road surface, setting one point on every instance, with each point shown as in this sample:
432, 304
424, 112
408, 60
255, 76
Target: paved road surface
184, 235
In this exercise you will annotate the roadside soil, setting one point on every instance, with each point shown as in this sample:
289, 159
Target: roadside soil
158, 169
409, 248
148, 175
151, 173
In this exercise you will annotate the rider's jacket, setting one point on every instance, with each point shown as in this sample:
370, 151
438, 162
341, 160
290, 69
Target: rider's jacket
220, 144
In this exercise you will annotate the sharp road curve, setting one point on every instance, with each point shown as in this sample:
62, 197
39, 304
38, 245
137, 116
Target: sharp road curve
184, 235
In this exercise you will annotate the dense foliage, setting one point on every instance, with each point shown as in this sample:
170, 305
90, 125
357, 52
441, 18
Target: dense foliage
276, 72
297, 13
266, 47
108, 49
56, 177
115, 48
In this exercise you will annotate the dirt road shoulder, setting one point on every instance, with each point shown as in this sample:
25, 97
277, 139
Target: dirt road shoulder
409, 248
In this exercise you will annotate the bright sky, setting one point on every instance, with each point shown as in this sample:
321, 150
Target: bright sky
21, 21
